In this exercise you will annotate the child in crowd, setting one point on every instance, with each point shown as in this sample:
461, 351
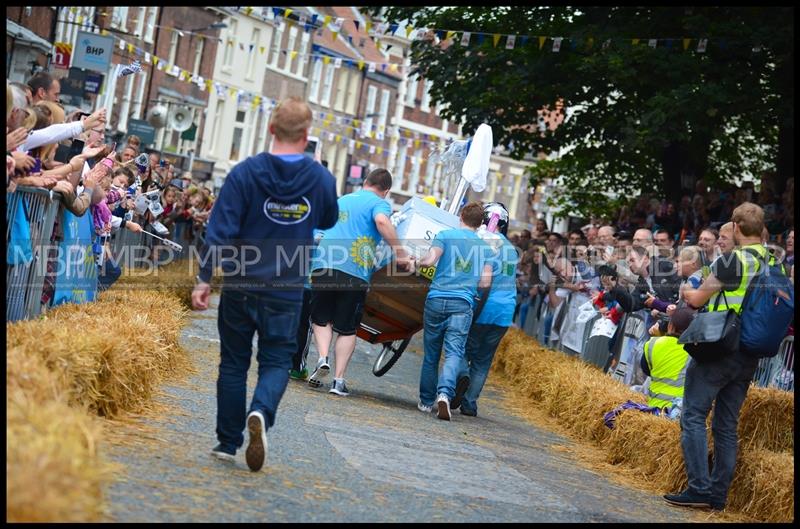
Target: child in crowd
614, 300
690, 264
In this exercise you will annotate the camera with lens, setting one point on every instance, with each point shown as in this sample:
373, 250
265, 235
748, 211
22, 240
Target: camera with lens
663, 322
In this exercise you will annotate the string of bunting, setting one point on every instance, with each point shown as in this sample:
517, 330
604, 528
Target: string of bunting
509, 40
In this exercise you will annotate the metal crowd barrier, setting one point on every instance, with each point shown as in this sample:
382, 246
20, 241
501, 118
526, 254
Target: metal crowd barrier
778, 371
622, 362
26, 257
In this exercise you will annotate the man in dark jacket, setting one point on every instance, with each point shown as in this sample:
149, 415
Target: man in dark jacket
260, 232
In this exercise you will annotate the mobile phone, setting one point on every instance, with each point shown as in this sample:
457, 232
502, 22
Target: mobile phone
37, 166
162, 163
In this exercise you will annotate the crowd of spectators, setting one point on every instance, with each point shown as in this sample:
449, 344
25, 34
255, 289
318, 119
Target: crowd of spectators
654, 248
121, 187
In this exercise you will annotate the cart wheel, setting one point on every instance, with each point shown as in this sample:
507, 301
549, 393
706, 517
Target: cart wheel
389, 356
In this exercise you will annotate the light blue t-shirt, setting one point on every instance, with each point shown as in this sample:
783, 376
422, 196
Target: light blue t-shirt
499, 307
459, 268
350, 245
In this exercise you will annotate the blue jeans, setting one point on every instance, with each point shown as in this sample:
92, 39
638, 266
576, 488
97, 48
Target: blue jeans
241, 314
447, 322
725, 381
482, 343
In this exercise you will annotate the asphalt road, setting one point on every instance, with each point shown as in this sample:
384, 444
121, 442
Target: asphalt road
368, 457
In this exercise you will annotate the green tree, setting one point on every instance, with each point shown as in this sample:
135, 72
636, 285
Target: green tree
639, 118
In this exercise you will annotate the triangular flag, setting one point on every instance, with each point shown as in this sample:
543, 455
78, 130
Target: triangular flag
130, 48
155, 59
541, 41
481, 36
523, 41
248, 10
335, 34
314, 19
686, 43
635, 42
589, 43
262, 49
358, 144
389, 47
357, 24
360, 65
379, 150
337, 63
326, 59
208, 84
293, 54
122, 44
241, 46
409, 29
701, 45
394, 27
449, 34
287, 13
251, 48
368, 26
510, 41
147, 57
371, 67
652, 43
326, 20
495, 39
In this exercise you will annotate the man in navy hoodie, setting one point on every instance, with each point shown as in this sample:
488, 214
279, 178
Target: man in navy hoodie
260, 233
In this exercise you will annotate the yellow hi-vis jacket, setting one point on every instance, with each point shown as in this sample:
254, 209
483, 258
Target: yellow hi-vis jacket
667, 361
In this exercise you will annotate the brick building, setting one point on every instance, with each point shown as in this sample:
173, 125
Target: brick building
29, 35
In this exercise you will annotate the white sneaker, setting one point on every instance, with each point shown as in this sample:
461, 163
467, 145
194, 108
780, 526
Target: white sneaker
423, 408
322, 370
339, 388
257, 449
443, 407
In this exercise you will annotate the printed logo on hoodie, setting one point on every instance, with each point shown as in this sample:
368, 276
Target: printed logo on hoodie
281, 213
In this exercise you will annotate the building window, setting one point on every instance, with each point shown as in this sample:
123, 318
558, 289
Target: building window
173, 47
401, 164
411, 93
198, 55
137, 102
352, 91
256, 36
287, 65
384, 112
426, 97
327, 86
140, 22
119, 18
238, 132
341, 89
150, 26
415, 166
301, 57
216, 129
372, 93
230, 44
315, 78
276, 45
430, 168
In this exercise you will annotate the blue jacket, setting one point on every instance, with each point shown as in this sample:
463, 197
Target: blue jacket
260, 228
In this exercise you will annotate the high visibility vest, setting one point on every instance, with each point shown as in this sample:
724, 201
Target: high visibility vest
732, 299
667, 360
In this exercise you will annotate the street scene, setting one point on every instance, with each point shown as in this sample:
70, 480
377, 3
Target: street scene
400, 264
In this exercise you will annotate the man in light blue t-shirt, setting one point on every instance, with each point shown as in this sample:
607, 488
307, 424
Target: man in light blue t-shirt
464, 265
340, 274
493, 316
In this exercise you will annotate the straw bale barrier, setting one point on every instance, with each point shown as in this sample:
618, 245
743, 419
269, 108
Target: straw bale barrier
177, 277
65, 369
578, 395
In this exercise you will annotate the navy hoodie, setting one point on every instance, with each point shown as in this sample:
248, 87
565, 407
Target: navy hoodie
260, 228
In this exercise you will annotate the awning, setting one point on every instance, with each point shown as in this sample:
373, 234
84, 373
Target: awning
27, 37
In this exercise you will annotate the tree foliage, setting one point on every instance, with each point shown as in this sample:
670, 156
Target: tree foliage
640, 118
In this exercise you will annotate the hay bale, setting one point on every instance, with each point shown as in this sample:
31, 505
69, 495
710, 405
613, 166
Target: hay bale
763, 485
578, 395
53, 470
767, 420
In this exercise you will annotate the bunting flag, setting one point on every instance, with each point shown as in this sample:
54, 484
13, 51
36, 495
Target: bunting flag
652, 43
147, 57
510, 41
495, 39
371, 67
262, 49
287, 13
541, 42
557, 44
449, 35
686, 43
292, 55
701, 45
634, 42
357, 24
409, 29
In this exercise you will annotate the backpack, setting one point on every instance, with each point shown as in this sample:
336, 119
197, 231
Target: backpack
767, 310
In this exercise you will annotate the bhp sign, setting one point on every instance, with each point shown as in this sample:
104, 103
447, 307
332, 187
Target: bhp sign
93, 52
